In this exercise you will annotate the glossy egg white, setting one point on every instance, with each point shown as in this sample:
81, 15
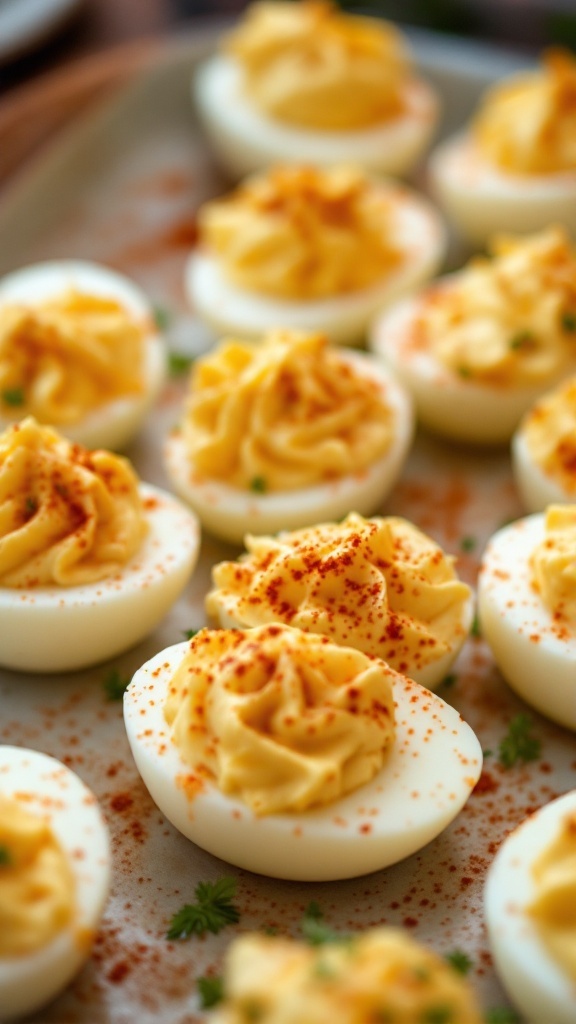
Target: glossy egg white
535, 654
245, 139
114, 424
54, 792
447, 404
420, 235
428, 776
60, 629
231, 513
482, 200
537, 485
534, 981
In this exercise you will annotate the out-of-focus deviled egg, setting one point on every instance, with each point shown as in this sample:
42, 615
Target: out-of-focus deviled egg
311, 249
54, 878
544, 449
515, 168
476, 349
378, 585
530, 909
303, 81
278, 435
380, 975
90, 559
527, 606
79, 350
289, 755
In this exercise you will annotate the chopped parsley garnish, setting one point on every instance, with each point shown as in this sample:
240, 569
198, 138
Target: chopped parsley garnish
162, 317
115, 685
475, 627
5, 858
519, 744
438, 1015
468, 543
31, 506
212, 911
13, 396
314, 929
258, 485
569, 322
179, 364
459, 960
450, 680
464, 371
521, 339
502, 1015
189, 633
487, 753
211, 991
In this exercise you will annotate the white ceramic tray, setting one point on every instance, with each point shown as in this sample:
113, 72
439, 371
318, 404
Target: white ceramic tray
122, 186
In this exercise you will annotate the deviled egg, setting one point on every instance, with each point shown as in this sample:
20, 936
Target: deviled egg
281, 434
294, 757
476, 349
530, 908
90, 559
306, 82
79, 350
515, 168
378, 975
544, 449
54, 878
527, 607
311, 249
378, 585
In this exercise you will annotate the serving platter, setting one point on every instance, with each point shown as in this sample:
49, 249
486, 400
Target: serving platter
121, 184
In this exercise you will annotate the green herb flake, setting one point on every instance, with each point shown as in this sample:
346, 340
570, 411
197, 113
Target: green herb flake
189, 633
502, 1015
210, 990
31, 506
569, 322
162, 317
13, 396
519, 744
5, 857
487, 753
314, 929
475, 627
521, 339
438, 1015
212, 912
179, 364
115, 685
468, 543
322, 969
253, 1012
258, 485
450, 680
464, 372
459, 960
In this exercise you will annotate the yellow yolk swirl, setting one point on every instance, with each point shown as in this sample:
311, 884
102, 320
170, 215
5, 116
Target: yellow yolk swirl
36, 884
553, 563
550, 434
510, 320
303, 232
528, 125
309, 65
378, 585
283, 719
66, 357
380, 975
67, 516
554, 908
286, 414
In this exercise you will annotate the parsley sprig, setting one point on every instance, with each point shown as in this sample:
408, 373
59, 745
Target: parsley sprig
5, 857
13, 396
189, 633
519, 744
459, 960
212, 911
502, 1015
210, 990
179, 364
314, 928
115, 685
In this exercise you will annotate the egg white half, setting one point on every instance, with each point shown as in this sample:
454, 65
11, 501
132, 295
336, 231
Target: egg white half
420, 235
60, 629
247, 140
231, 513
536, 656
446, 403
427, 778
534, 981
113, 424
482, 200
55, 793
536, 487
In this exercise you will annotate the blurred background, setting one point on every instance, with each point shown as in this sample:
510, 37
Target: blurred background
39, 35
